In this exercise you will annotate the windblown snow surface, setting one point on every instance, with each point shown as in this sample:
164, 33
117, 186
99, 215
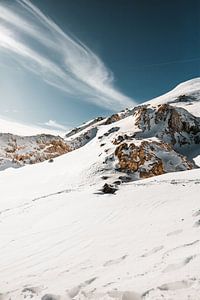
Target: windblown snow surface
62, 239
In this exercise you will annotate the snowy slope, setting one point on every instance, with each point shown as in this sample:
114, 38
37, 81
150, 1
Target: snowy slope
63, 239
186, 95
60, 237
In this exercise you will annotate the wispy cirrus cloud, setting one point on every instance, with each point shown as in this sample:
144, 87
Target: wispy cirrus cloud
55, 125
41, 46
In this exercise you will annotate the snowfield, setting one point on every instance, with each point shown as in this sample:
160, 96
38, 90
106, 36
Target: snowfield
63, 239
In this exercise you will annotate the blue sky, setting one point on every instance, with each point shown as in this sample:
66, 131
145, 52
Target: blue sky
64, 62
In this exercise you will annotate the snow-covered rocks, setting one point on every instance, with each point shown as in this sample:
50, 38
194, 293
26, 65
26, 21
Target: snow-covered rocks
149, 158
160, 136
16, 151
171, 124
151, 141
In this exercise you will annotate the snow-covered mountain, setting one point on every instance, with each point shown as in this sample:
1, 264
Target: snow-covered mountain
185, 95
160, 136
157, 137
63, 239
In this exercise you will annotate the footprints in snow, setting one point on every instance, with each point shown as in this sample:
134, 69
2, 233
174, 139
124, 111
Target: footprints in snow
154, 250
174, 267
35, 292
51, 297
114, 261
197, 223
79, 292
176, 285
180, 247
77, 289
185, 261
166, 290
196, 214
124, 295
175, 232
30, 292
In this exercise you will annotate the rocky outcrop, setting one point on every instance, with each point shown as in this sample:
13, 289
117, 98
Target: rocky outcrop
184, 99
150, 158
84, 126
170, 124
112, 119
17, 151
83, 138
156, 140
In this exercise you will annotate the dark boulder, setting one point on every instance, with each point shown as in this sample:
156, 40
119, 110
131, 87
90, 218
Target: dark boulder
109, 189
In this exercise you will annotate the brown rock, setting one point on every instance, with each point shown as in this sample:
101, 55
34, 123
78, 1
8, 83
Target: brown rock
112, 119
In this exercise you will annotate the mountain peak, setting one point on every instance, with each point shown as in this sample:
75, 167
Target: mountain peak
185, 94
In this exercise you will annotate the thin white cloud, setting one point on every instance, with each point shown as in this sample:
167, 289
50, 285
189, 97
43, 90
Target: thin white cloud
56, 125
17, 128
43, 47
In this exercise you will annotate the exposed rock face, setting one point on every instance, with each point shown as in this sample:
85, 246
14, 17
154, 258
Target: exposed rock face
84, 126
112, 119
82, 139
150, 158
17, 151
170, 124
155, 140
184, 99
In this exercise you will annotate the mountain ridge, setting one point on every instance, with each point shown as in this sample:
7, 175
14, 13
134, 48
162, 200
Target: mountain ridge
158, 136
